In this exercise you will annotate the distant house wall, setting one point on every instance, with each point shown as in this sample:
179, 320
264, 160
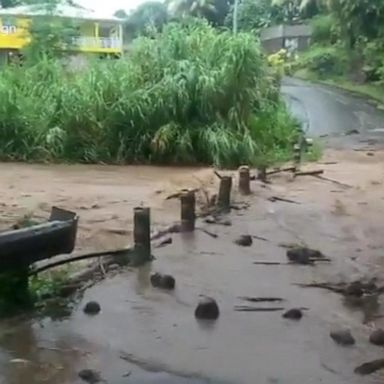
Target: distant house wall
291, 37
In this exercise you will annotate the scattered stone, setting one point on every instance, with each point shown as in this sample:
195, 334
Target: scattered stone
303, 255
355, 289
370, 367
163, 281
293, 314
244, 241
377, 337
90, 376
343, 337
207, 309
92, 308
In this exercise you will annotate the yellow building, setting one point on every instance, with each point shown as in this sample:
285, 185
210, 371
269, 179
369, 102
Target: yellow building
96, 33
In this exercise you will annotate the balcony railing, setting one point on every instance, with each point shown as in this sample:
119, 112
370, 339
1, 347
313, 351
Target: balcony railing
98, 42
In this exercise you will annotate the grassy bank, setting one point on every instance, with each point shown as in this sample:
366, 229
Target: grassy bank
189, 95
370, 90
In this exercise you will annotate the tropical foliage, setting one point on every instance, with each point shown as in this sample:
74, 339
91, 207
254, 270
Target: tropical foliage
190, 94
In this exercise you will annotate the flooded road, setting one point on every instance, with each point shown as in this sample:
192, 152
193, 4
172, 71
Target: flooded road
147, 336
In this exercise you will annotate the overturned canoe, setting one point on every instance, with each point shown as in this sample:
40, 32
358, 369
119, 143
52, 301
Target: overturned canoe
26, 246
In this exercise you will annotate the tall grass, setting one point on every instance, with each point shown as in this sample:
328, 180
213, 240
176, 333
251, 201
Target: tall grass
190, 95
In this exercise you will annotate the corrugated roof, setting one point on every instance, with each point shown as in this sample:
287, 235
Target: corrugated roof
61, 10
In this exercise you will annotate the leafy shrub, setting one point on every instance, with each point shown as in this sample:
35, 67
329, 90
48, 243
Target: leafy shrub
185, 96
323, 29
325, 61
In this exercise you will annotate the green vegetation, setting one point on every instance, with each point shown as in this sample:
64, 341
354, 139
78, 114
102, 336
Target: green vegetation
191, 94
348, 46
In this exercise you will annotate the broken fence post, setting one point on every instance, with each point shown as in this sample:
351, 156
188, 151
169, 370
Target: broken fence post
297, 156
224, 197
188, 215
244, 180
142, 235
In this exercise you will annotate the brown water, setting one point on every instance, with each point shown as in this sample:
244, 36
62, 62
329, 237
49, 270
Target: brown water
154, 335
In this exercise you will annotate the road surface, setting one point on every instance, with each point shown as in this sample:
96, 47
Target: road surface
329, 111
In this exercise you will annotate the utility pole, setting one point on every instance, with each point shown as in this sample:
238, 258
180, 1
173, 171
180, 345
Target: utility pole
235, 15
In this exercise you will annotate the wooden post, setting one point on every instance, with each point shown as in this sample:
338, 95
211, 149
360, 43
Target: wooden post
224, 198
262, 174
297, 156
244, 180
188, 215
142, 236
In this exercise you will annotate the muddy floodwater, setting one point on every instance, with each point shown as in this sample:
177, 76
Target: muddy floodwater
144, 335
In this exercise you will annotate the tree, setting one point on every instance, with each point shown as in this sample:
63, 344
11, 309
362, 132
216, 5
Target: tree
214, 11
151, 15
51, 35
121, 14
252, 15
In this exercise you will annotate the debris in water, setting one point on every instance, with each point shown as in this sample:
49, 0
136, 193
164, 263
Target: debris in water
163, 243
207, 309
342, 337
163, 281
304, 255
92, 308
377, 337
261, 299
260, 238
244, 241
370, 367
20, 361
244, 308
276, 198
293, 314
90, 376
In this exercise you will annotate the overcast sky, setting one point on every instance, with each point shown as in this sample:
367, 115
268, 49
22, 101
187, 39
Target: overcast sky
109, 7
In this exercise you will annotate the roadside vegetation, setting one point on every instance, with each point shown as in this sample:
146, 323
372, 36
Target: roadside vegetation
188, 94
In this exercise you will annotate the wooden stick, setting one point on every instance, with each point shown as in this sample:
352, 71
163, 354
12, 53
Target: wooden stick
274, 171
261, 299
257, 309
310, 173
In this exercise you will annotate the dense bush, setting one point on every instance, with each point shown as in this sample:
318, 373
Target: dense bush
323, 29
190, 95
324, 61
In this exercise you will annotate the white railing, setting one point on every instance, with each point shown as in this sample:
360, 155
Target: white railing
98, 42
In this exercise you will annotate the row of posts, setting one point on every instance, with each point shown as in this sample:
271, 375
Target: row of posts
142, 219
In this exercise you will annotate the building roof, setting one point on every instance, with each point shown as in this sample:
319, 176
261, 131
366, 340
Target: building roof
62, 10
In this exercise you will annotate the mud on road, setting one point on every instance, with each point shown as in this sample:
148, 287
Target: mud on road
144, 335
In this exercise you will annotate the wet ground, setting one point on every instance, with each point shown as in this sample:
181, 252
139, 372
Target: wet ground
144, 335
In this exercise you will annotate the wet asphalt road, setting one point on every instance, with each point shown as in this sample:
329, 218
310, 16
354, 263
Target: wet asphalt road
328, 111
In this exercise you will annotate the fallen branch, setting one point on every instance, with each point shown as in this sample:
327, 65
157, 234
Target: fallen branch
257, 309
214, 235
275, 171
326, 286
261, 299
333, 181
218, 174
259, 238
276, 198
118, 252
269, 263
309, 173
